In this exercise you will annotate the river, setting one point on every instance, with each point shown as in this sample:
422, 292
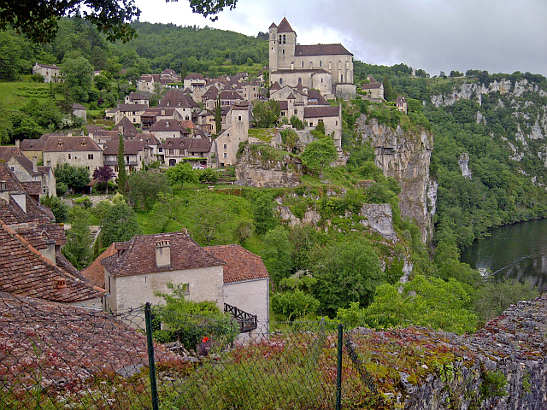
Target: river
514, 251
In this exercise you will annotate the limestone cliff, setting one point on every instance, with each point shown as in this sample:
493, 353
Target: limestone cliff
523, 107
405, 156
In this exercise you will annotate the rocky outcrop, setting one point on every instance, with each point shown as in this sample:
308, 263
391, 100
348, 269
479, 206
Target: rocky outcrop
502, 366
506, 365
476, 90
254, 169
405, 157
463, 162
378, 217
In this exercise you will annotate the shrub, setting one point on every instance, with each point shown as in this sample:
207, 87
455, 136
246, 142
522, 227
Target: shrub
59, 209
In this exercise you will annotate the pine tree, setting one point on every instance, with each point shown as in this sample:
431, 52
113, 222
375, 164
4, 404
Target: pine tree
218, 116
122, 174
389, 94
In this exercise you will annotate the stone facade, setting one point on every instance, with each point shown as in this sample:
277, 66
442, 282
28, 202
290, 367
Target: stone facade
320, 66
225, 147
50, 72
126, 292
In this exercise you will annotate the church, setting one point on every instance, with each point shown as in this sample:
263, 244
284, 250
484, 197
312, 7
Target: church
324, 67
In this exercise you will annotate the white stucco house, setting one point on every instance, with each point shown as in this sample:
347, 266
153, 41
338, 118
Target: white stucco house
233, 278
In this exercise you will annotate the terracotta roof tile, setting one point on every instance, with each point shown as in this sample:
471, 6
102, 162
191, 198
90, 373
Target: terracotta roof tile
94, 273
70, 144
132, 107
321, 50
284, 26
241, 264
138, 256
167, 125
126, 127
25, 271
74, 344
321, 111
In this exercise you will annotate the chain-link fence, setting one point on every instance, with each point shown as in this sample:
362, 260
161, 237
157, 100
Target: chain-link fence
58, 356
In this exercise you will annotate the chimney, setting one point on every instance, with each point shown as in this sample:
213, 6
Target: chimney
60, 283
163, 254
34, 164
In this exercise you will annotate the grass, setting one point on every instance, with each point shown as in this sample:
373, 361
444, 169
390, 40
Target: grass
263, 134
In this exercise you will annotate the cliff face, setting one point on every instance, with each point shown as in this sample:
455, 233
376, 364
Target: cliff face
405, 157
523, 107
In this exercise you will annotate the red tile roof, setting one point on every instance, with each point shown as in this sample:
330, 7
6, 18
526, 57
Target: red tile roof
230, 95
131, 147
70, 144
132, 107
202, 145
284, 26
68, 345
211, 93
321, 50
194, 76
126, 127
167, 125
241, 264
177, 98
25, 271
94, 273
138, 256
321, 111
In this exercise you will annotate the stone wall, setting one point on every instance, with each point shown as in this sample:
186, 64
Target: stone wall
254, 170
406, 158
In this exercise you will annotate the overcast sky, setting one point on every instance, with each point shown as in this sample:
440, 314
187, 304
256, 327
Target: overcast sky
494, 35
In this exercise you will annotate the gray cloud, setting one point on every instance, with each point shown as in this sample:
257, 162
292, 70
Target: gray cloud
495, 35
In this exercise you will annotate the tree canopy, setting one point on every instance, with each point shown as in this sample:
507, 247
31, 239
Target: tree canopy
39, 19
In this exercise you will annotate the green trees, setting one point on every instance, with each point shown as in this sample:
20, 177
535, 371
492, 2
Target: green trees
266, 113
77, 76
277, 254
389, 93
430, 302
355, 269
145, 187
319, 154
119, 224
59, 209
78, 240
297, 123
122, 173
182, 173
218, 116
295, 301
75, 178
103, 174
188, 322
263, 214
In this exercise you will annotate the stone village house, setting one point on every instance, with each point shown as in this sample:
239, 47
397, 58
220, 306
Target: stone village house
134, 271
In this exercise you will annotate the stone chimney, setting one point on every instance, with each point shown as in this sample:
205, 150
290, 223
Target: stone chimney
163, 254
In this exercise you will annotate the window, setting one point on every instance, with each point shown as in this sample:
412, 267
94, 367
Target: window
225, 155
295, 112
280, 38
12, 168
225, 146
321, 79
239, 118
320, 63
283, 51
69, 156
284, 40
311, 124
280, 81
89, 156
341, 78
302, 63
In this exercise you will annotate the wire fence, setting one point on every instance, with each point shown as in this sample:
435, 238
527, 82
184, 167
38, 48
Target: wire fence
57, 356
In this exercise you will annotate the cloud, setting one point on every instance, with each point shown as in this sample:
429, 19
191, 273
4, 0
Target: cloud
495, 35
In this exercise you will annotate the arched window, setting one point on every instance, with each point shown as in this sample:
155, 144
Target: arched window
280, 38
284, 39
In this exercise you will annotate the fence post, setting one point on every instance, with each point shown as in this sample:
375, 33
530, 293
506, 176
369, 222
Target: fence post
151, 362
339, 368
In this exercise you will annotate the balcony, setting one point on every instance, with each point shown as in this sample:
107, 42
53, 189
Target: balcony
247, 322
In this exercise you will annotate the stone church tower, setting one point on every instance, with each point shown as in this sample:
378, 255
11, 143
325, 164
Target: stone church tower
325, 67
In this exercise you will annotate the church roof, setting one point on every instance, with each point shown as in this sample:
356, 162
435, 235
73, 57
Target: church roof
273, 25
321, 50
285, 27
